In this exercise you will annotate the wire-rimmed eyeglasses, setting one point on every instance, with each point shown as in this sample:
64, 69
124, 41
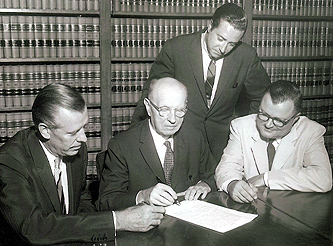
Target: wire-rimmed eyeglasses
165, 111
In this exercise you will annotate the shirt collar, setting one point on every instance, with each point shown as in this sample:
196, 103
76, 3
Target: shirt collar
158, 139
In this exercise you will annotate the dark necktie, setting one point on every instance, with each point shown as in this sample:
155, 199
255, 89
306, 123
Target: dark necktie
270, 153
210, 80
168, 163
57, 177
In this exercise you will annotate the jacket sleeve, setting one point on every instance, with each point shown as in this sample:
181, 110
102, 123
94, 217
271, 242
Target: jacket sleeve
27, 210
311, 171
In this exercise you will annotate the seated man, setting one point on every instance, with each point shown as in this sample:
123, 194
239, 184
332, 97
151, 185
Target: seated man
300, 161
141, 166
43, 193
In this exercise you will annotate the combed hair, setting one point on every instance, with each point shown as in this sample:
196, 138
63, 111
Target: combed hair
233, 14
51, 98
283, 90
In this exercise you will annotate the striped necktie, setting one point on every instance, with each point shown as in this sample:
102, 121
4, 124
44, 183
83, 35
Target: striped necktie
210, 80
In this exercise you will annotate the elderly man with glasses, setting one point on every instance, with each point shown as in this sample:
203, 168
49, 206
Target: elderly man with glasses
276, 148
160, 158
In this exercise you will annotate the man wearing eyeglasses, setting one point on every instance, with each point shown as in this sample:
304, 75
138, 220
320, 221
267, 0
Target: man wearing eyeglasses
142, 167
277, 147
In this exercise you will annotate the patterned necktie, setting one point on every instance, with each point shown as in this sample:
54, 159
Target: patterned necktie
270, 153
210, 80
168, 163
57, 177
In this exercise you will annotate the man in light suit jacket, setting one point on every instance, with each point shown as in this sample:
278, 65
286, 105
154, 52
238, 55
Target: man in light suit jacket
300, 162
34, 207
135, 165
238, 72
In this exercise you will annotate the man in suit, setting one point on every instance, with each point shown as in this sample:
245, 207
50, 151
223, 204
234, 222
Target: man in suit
194, 59
43, 195
137, 166
276, 147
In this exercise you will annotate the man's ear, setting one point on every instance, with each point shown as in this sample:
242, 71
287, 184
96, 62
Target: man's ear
44, 130
148, 109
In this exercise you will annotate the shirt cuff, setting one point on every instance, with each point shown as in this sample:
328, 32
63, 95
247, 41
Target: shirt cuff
114, 223
224, 186
266, 179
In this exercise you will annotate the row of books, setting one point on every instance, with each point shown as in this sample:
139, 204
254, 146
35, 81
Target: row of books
49, 36
170, 6
82, 5
121, 119
91, 167
292, 38
133, 37
293, 7
11, 123
315, 78
321, 111
20, 84
127, 81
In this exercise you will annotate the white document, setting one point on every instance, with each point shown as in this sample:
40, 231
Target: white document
209, 215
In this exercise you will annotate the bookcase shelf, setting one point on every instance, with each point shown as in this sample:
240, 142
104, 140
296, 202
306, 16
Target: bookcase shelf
160, 15
43, 60
49, 12
291, 18
296, 58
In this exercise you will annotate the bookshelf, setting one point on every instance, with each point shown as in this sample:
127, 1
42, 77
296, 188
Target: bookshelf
293, 39
43, 42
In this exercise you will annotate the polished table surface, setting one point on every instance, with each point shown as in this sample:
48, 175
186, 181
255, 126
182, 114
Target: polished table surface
285, 218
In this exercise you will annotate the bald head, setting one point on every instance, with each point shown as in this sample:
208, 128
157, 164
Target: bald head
166, 87
166, 105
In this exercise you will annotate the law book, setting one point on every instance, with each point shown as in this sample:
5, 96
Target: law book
75, 36
96, 37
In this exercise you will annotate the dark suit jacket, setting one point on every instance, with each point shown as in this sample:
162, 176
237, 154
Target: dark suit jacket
181, 58
132, 164
29, 201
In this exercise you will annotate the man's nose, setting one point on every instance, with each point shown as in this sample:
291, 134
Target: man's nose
82, 136
172, 116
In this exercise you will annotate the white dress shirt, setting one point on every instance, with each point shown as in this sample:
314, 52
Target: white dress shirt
64, 180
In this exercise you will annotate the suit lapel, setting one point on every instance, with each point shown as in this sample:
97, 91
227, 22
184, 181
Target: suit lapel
259, 154
285, 149
179, 150
149, 153
229, 65
196, 64
70, 171
43, 170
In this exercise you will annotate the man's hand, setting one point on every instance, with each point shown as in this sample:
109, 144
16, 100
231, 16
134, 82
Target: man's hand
194, 192
160, 195
141, 218
241, 191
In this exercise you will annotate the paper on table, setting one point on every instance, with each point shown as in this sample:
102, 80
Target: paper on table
209, 215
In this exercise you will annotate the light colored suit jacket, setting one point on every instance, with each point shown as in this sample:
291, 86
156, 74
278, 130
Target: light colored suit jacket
301, 161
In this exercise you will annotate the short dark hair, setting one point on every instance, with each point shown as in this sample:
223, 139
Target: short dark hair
283, 90
51, 98
231, 13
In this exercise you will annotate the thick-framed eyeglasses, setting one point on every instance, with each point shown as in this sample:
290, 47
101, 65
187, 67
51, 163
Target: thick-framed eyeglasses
165, 111
276, 121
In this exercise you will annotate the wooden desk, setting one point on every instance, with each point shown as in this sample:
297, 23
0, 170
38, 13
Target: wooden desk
277, 224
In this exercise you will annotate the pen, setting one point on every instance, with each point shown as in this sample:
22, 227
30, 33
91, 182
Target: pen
160, 181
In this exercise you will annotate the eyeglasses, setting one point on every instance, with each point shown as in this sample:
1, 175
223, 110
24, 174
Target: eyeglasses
165, 111
276, 121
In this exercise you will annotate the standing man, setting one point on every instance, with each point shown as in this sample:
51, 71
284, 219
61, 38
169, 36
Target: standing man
159, 156
276, 147
215, 66
43, 195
